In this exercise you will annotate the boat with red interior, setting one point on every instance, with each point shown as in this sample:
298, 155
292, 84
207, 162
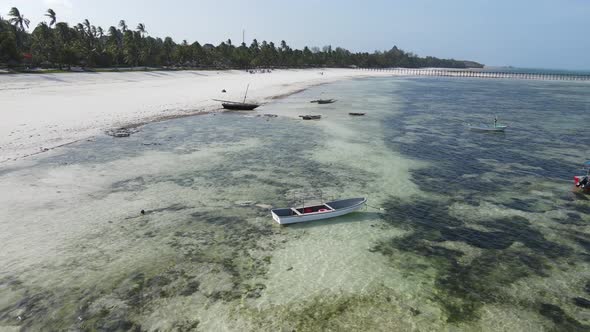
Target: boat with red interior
582, 182
317, 212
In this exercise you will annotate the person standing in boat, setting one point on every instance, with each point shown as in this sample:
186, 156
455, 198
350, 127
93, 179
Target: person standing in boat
583, 183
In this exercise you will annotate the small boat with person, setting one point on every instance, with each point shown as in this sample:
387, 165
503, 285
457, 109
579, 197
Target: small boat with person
488, 128
582, 182
238, 106
326, 210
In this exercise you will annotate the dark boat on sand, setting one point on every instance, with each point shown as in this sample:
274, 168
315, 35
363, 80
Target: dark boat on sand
238, 106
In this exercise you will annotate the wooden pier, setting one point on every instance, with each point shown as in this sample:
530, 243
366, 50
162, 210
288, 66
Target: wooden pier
482, 74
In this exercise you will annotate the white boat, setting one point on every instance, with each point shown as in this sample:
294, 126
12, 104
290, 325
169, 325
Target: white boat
317, 212
496, 128
489, 128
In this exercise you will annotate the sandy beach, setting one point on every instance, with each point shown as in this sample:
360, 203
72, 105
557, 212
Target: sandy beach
45, 111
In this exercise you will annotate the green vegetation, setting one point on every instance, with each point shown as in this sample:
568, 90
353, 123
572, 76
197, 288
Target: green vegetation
57, 45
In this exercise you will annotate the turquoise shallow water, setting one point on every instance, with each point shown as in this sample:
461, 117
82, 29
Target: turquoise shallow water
465, 231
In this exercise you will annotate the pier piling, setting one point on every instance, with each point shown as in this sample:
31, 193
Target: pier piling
476, 73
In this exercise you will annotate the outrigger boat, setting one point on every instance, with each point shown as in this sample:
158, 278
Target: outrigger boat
317, 212
238, 106
582, 182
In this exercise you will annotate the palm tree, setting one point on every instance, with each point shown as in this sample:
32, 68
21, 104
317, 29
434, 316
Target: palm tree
141, 29
284, 45
131, 47
65, 53
63, 31
168, 50
80, 28
88, 27
18, 19
113, 31
114, 44
52, 16
43, 44
123, 25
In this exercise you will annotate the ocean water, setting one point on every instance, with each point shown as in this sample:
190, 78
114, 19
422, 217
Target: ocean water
464, 231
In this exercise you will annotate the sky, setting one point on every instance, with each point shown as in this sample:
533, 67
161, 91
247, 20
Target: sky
521, 33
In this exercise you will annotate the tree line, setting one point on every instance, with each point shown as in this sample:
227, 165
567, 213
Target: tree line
57, 44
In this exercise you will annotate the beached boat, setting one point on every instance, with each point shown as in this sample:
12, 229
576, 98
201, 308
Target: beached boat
582, 182
323, 101
310, 117
356, 114
238, 106
317, 212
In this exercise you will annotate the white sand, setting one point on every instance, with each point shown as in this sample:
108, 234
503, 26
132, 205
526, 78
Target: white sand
44, 111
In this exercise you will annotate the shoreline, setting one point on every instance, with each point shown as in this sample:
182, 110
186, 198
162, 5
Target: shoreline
45, 109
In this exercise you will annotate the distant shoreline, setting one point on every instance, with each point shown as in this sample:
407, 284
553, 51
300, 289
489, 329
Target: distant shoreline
5, 71
78, 70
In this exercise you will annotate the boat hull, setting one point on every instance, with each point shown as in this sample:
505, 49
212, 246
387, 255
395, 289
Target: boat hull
239, 106
293, 219
579, 190
324, 101
310, 117
488, 129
